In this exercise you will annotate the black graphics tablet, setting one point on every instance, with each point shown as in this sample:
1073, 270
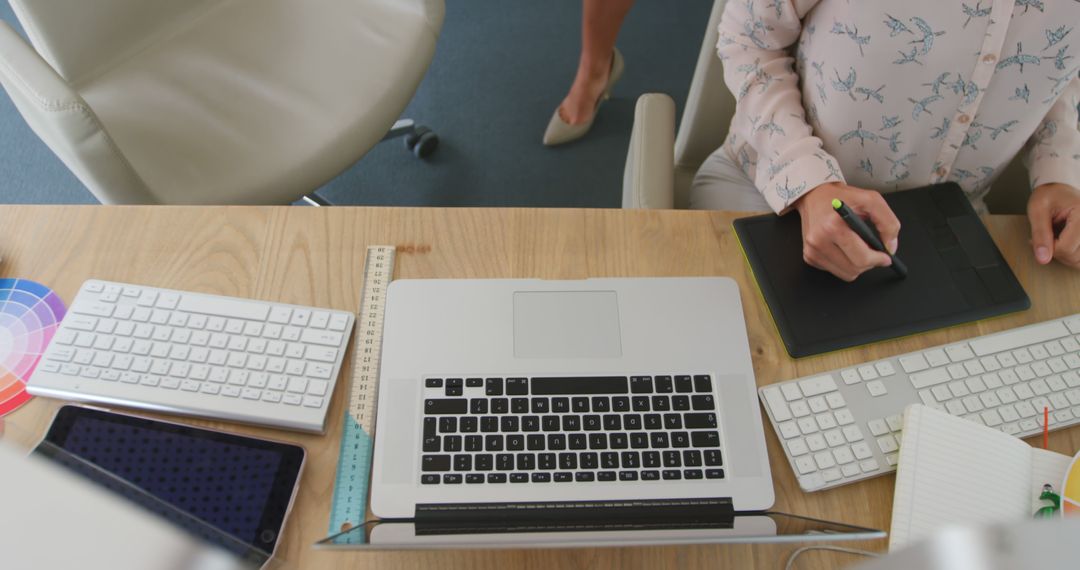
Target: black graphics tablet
956, 274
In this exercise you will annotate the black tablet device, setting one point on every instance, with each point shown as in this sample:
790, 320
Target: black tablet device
241, 486
956, 274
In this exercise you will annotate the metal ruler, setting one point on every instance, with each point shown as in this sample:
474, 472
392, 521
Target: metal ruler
349, 506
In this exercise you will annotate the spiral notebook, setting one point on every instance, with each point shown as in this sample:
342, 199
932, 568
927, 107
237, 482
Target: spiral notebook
954, 471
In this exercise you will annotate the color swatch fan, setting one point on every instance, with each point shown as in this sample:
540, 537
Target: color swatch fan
1070, 493
29, 315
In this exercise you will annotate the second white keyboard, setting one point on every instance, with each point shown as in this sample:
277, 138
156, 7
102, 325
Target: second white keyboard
190, 353
845, 425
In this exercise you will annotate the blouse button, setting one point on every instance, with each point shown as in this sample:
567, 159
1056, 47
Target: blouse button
964, 119
940, 172
989, 58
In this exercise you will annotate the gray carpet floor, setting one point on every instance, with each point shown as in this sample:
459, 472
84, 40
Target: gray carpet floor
499, 71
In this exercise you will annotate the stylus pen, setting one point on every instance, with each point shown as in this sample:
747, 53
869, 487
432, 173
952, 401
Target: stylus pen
858, 226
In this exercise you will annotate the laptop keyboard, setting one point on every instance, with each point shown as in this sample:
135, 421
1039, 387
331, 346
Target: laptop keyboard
570, 429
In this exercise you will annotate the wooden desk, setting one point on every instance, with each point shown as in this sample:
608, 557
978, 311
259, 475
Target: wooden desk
314, 256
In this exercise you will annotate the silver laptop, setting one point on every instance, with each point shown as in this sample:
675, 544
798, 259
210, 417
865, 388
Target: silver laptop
516, 399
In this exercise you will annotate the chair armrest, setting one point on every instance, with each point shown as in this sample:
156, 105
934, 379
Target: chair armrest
649, 178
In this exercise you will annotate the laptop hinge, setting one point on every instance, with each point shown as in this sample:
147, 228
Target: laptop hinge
706, 510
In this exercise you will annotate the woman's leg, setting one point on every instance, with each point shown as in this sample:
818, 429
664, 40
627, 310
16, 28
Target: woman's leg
600, 23
721, 185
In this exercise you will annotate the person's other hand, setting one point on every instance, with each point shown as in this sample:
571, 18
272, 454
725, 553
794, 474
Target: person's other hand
828, 242
1055, 209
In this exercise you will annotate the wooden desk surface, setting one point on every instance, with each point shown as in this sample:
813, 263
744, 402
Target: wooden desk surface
314, 256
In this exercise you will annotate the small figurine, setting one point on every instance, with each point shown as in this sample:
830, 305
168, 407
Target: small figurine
1048, 511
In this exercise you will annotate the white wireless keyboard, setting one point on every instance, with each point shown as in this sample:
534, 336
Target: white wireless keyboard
204, 355
845, 425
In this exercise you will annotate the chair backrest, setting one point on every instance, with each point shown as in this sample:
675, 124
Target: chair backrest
82, 38
707, 113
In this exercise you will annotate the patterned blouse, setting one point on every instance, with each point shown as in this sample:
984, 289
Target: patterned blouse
892, 95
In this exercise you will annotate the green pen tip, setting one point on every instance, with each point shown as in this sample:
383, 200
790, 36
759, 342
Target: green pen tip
836, 203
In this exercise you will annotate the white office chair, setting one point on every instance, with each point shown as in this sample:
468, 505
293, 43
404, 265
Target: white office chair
215, 101
655, 177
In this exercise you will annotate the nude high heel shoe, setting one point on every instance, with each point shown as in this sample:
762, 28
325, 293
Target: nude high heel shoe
560, 132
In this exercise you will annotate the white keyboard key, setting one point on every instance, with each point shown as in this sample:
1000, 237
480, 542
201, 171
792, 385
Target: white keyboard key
816, 442
788, 429
913, 363
1029, 425
291, 399
844, 417
1008, 413
817, 385
931, 377
936, 357
850, 470
824, 460
876, 388
313, 402
887, 444
328, 354
892, 459
338, 322
957, 372
831, 475
797, 447
989, 399
958, 389
861, 450
972, 404
1011, 428
878, 427
1073, 324
927, 397
791, 391
991, 418
867, 372
805, 464
835, 400
330, 338
868, 465
807, 425
959, 352
1063, 415
974, 367
817, 404
834, 438
319, 319
884, 368
1026, 410
1024, 336
992, 381
812, 482
298, 385
843, 455
850, 376
894, 422
955, 408
852, 433
800, 409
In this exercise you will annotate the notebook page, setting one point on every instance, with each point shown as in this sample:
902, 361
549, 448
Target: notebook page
954, 471
1046, 467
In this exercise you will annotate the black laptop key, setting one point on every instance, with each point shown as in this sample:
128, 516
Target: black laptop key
526, 461
517, 386
580, 404
493, 443
489, 424
654, 421
672, 474
691, 458
618, 441
448, 425
702, 402
530, 423
578, 441
454, 391
474, 443
664, 385
705, 438
713, 457
519, 477
591, 422
639, 440
680, 403
672, 459
631, 421
628, 476
681, 439
550, 423
692, 474
630, 459
571, 423
515, 442
589, 460
598, 441
560, 405
519, 405
650, 475
563, 477
609, 460
493, 387
567, 461
441, 407
702, 383
579, 385
473, 478
556, 441
606, 476
484, 462
463, 462
584, 476
435, 463
650, 459
620, 404
496, 478
659, 440
683, 384
661, 403
432, 444
509, 424
433, 382
504, 461
429, 479
699, 421
641, 385
535, 442
640, 404
714, 473
468, 424
431, 427
500, 405
673, 421
612, 422
540, 405
601, 404
474, 382
478, 406
541, 477
452, 443
546, 461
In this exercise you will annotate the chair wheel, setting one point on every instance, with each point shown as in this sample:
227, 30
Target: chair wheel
422, 142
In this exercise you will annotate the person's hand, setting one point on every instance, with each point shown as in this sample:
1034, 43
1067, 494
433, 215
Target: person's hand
828, 242
1055, 208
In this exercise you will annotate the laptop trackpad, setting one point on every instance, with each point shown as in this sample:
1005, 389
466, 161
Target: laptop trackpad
566, 324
